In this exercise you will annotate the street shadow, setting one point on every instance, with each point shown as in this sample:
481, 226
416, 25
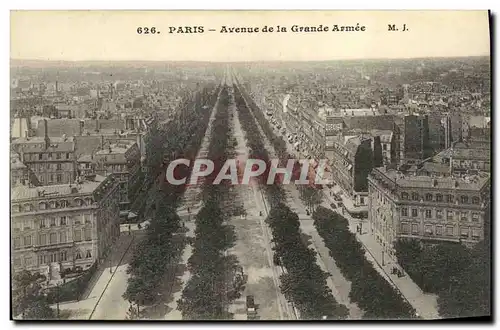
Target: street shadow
306, 239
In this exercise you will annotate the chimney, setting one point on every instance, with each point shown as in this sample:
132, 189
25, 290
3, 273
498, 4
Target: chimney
46, 129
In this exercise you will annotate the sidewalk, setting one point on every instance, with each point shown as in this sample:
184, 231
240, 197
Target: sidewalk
425, 304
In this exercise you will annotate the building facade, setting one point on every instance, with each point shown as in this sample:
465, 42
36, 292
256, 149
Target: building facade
123, 160
450, 208
60, 227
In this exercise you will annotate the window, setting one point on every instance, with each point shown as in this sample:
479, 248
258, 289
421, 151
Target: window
77, 221
67, 156
59, 167
58, 155
64, 204
42, 239
59, 178
40, 157
475, 200
77, 235
53, 238
439, 230
476, 233
27, 207
405, 228
414, 196
464, 199
428, 213
361, 200
63, 221
439, 214
42, 206
28, 261
52, 222
63, 256
428, 229
17, 262
88, 234
428, 197
89, 254
27, 241
475, 217
449, 215
464, 216
414, 213
449, 198
404, 195
87, 218
62, 237
16, 208
79, 202
439, 198
404, 212
414, 228
17, 243
78, 255
385, 146
464, 232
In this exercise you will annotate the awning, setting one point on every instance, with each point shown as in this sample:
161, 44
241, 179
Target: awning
131, 215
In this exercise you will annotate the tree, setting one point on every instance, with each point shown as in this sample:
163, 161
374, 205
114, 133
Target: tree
28, 298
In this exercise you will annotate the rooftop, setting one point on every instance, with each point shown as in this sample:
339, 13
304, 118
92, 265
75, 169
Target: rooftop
86, 187
469, 182
466, 153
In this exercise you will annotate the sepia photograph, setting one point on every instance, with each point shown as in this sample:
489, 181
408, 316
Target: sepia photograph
250, 166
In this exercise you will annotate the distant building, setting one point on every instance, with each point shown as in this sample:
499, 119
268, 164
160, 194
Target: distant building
412, 205
61, 227
462, 158
414, 143
52, 159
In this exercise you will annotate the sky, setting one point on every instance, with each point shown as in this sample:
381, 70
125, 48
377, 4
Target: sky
112, 35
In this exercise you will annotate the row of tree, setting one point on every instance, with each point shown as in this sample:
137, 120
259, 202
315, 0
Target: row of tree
373, 294
216, 278
309, 194
274, 192
159, 251
458, 275
304, 283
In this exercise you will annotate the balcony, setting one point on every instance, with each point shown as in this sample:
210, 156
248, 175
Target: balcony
52, 246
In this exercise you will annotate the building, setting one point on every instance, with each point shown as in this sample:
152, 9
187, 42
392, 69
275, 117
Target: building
62, 227
414, 143
435, 208
123, 160
51, 159
351, 159
462, 158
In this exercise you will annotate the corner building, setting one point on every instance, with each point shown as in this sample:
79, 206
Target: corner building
429, 208
61, 227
